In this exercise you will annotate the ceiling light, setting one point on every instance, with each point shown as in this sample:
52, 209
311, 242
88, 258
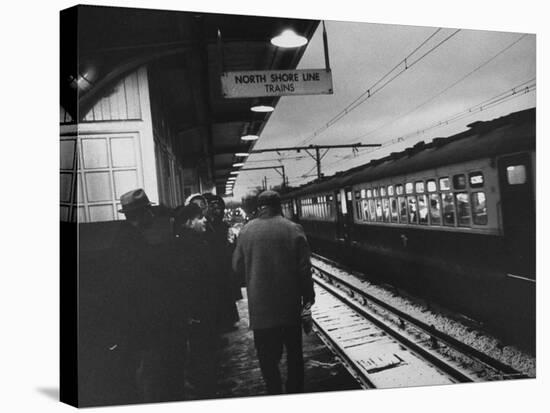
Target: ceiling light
242, 154
262, 108
234, 172
288, 38
238, 164
249, 137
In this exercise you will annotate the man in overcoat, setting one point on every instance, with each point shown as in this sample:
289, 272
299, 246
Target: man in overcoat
273, 254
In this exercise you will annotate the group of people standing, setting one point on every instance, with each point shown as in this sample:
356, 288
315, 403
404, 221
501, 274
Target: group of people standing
175, 300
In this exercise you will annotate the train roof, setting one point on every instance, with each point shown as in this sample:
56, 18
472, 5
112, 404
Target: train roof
511, 133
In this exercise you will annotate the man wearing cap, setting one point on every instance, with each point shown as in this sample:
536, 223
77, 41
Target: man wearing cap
273, 254
229, 289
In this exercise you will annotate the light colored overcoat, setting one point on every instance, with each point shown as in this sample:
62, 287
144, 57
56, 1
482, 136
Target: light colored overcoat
273, 254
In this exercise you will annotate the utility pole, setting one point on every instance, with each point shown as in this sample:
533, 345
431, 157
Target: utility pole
317, 157
276, 167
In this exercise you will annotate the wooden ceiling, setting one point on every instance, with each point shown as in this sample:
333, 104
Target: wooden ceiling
186, 53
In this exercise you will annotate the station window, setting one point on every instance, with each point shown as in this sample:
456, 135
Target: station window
382, 191
479, 208
413, 210
431, 185
419, 187
394, 210
403, 210
390, 190
423, 209
435, 209
369, 193
476, 179
459, 181
448, 209
516, 174
463, 209
409, 188
444, 184
386, 209
399, 189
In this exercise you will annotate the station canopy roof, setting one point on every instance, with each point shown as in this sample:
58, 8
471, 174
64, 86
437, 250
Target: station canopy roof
186, 52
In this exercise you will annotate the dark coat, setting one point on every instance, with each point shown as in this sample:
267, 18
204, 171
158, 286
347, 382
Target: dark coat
196, 267
273, 253
149, 294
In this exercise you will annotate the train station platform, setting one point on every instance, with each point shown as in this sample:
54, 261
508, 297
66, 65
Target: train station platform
240, 374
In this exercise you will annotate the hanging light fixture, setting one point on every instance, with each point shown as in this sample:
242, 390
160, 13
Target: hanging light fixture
287, 39
262, 108
238, 164
234, 172
249, 137
242, 154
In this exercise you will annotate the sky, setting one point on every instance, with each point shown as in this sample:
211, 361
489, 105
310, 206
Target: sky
449, 72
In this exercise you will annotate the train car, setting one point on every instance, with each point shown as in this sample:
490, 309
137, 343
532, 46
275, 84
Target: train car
452, 220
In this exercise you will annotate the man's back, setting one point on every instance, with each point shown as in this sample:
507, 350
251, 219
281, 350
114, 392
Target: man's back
274, 255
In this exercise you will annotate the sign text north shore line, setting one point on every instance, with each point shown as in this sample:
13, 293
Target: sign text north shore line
276, 83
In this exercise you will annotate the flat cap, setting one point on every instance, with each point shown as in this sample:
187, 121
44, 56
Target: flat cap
270, 198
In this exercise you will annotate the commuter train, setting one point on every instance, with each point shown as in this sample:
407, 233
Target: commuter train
452, 220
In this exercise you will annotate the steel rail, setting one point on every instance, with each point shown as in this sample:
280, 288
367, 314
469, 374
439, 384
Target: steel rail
436, 335
427, 355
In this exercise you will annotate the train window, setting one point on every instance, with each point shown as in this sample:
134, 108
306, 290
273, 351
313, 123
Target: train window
479, 208
372, 209
403, 210
382, 191
386, 209
390, 190
476, 179
394, 210
379, 209
459, 181
369, 193
363, 193
432, 187
423, 209
399, 189
516, 174
444, 184
413, 210
448, 209
463, 209
435, 209
409, 188
375, 192
365, 208
419, 187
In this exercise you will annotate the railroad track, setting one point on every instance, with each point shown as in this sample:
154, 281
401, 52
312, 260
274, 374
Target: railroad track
384, 347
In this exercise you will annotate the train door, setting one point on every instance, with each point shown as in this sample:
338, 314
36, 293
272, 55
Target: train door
518, 213
344, 213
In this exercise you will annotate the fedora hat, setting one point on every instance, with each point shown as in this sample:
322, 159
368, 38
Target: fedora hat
133, 200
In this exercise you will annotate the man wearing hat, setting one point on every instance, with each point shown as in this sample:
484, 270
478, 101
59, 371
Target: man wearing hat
273, 254
139, 290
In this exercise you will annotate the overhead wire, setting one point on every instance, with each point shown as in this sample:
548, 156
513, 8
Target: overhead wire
375, 88
519, 90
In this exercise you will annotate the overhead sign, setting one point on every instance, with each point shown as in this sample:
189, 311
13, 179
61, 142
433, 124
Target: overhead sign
276, 83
